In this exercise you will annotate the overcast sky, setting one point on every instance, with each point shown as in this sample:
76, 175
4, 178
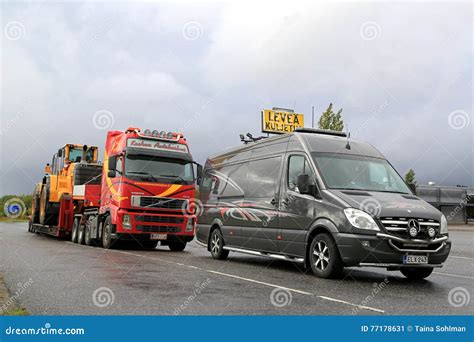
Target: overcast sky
401, 72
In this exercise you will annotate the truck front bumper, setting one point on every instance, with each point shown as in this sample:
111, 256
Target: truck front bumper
142, 225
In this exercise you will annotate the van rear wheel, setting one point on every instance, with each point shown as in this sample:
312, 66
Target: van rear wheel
324, 257
417, 273
216, 245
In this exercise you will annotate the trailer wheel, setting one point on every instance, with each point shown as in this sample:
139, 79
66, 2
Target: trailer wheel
80, 234
107, 233
75, 229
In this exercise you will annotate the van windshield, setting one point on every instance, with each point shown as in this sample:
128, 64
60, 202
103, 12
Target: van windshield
349, 172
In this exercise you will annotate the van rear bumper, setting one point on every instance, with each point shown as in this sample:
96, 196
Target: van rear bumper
383, 251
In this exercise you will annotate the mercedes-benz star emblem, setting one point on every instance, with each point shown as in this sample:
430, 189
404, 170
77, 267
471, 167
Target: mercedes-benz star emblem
413, 227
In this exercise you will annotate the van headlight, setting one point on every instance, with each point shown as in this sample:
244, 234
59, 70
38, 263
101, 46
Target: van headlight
360, 219
126, 222
444, 225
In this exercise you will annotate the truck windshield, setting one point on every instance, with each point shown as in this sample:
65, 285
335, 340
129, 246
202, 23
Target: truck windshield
158, 169
349, 172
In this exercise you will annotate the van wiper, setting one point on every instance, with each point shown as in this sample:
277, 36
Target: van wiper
144, 173
181, 179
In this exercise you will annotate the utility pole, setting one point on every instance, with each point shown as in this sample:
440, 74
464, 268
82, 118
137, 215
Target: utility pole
312, 112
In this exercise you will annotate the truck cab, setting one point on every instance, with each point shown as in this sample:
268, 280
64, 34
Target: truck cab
148, 189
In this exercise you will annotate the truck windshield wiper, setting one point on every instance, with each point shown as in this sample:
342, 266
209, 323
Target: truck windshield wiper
144, 173
181, 179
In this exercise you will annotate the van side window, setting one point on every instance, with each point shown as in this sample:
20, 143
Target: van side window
298, 165
232, 180
263, 178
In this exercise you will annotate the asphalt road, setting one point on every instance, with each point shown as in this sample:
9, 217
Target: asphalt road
60, 278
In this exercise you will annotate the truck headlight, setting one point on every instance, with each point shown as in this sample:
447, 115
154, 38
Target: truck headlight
360, 219
444, 225
190, 225
126, 221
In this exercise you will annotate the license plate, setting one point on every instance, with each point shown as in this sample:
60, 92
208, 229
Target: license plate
158, 236
415, 259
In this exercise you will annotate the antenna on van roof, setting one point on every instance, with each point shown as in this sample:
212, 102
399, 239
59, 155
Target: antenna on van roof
251, 138
348, 146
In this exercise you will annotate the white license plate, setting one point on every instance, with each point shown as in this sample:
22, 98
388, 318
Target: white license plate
158, 236
415, 259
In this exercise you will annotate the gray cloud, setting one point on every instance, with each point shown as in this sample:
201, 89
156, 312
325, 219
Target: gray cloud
398, 70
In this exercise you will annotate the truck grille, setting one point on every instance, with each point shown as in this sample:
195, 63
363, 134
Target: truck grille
159, 219
158, 229
159, 202
398, 226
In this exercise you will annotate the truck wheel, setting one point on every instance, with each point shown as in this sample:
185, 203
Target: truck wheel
216, 245
80, 234
177, 246
149, 244
87, 235
417, 273
107, 233
75, 229
324, 257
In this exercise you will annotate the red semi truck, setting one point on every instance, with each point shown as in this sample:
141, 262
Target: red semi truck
146, 193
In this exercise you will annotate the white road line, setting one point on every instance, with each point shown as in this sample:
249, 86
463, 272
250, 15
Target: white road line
348, 303
362, 307
453, 275
460, 257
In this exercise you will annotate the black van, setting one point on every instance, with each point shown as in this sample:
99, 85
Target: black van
320, 198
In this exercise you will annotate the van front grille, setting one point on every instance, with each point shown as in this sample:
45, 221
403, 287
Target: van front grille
398, 226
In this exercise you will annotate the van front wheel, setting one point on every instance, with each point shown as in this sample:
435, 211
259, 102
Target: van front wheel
324, 257
216, 245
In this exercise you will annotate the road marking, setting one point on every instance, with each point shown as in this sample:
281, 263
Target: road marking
453, 275
362, 307
460, 257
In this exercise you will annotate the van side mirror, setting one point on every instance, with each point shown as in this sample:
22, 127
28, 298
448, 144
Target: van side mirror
111, 173
412, 187
303, 184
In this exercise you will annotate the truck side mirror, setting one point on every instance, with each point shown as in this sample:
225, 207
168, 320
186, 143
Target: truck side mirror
198, 173
112, 166
303, 184
60, 153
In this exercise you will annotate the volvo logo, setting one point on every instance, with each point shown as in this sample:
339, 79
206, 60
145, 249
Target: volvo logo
413, 227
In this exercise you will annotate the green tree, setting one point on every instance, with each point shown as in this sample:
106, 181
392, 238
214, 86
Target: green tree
410, 177
331, 120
